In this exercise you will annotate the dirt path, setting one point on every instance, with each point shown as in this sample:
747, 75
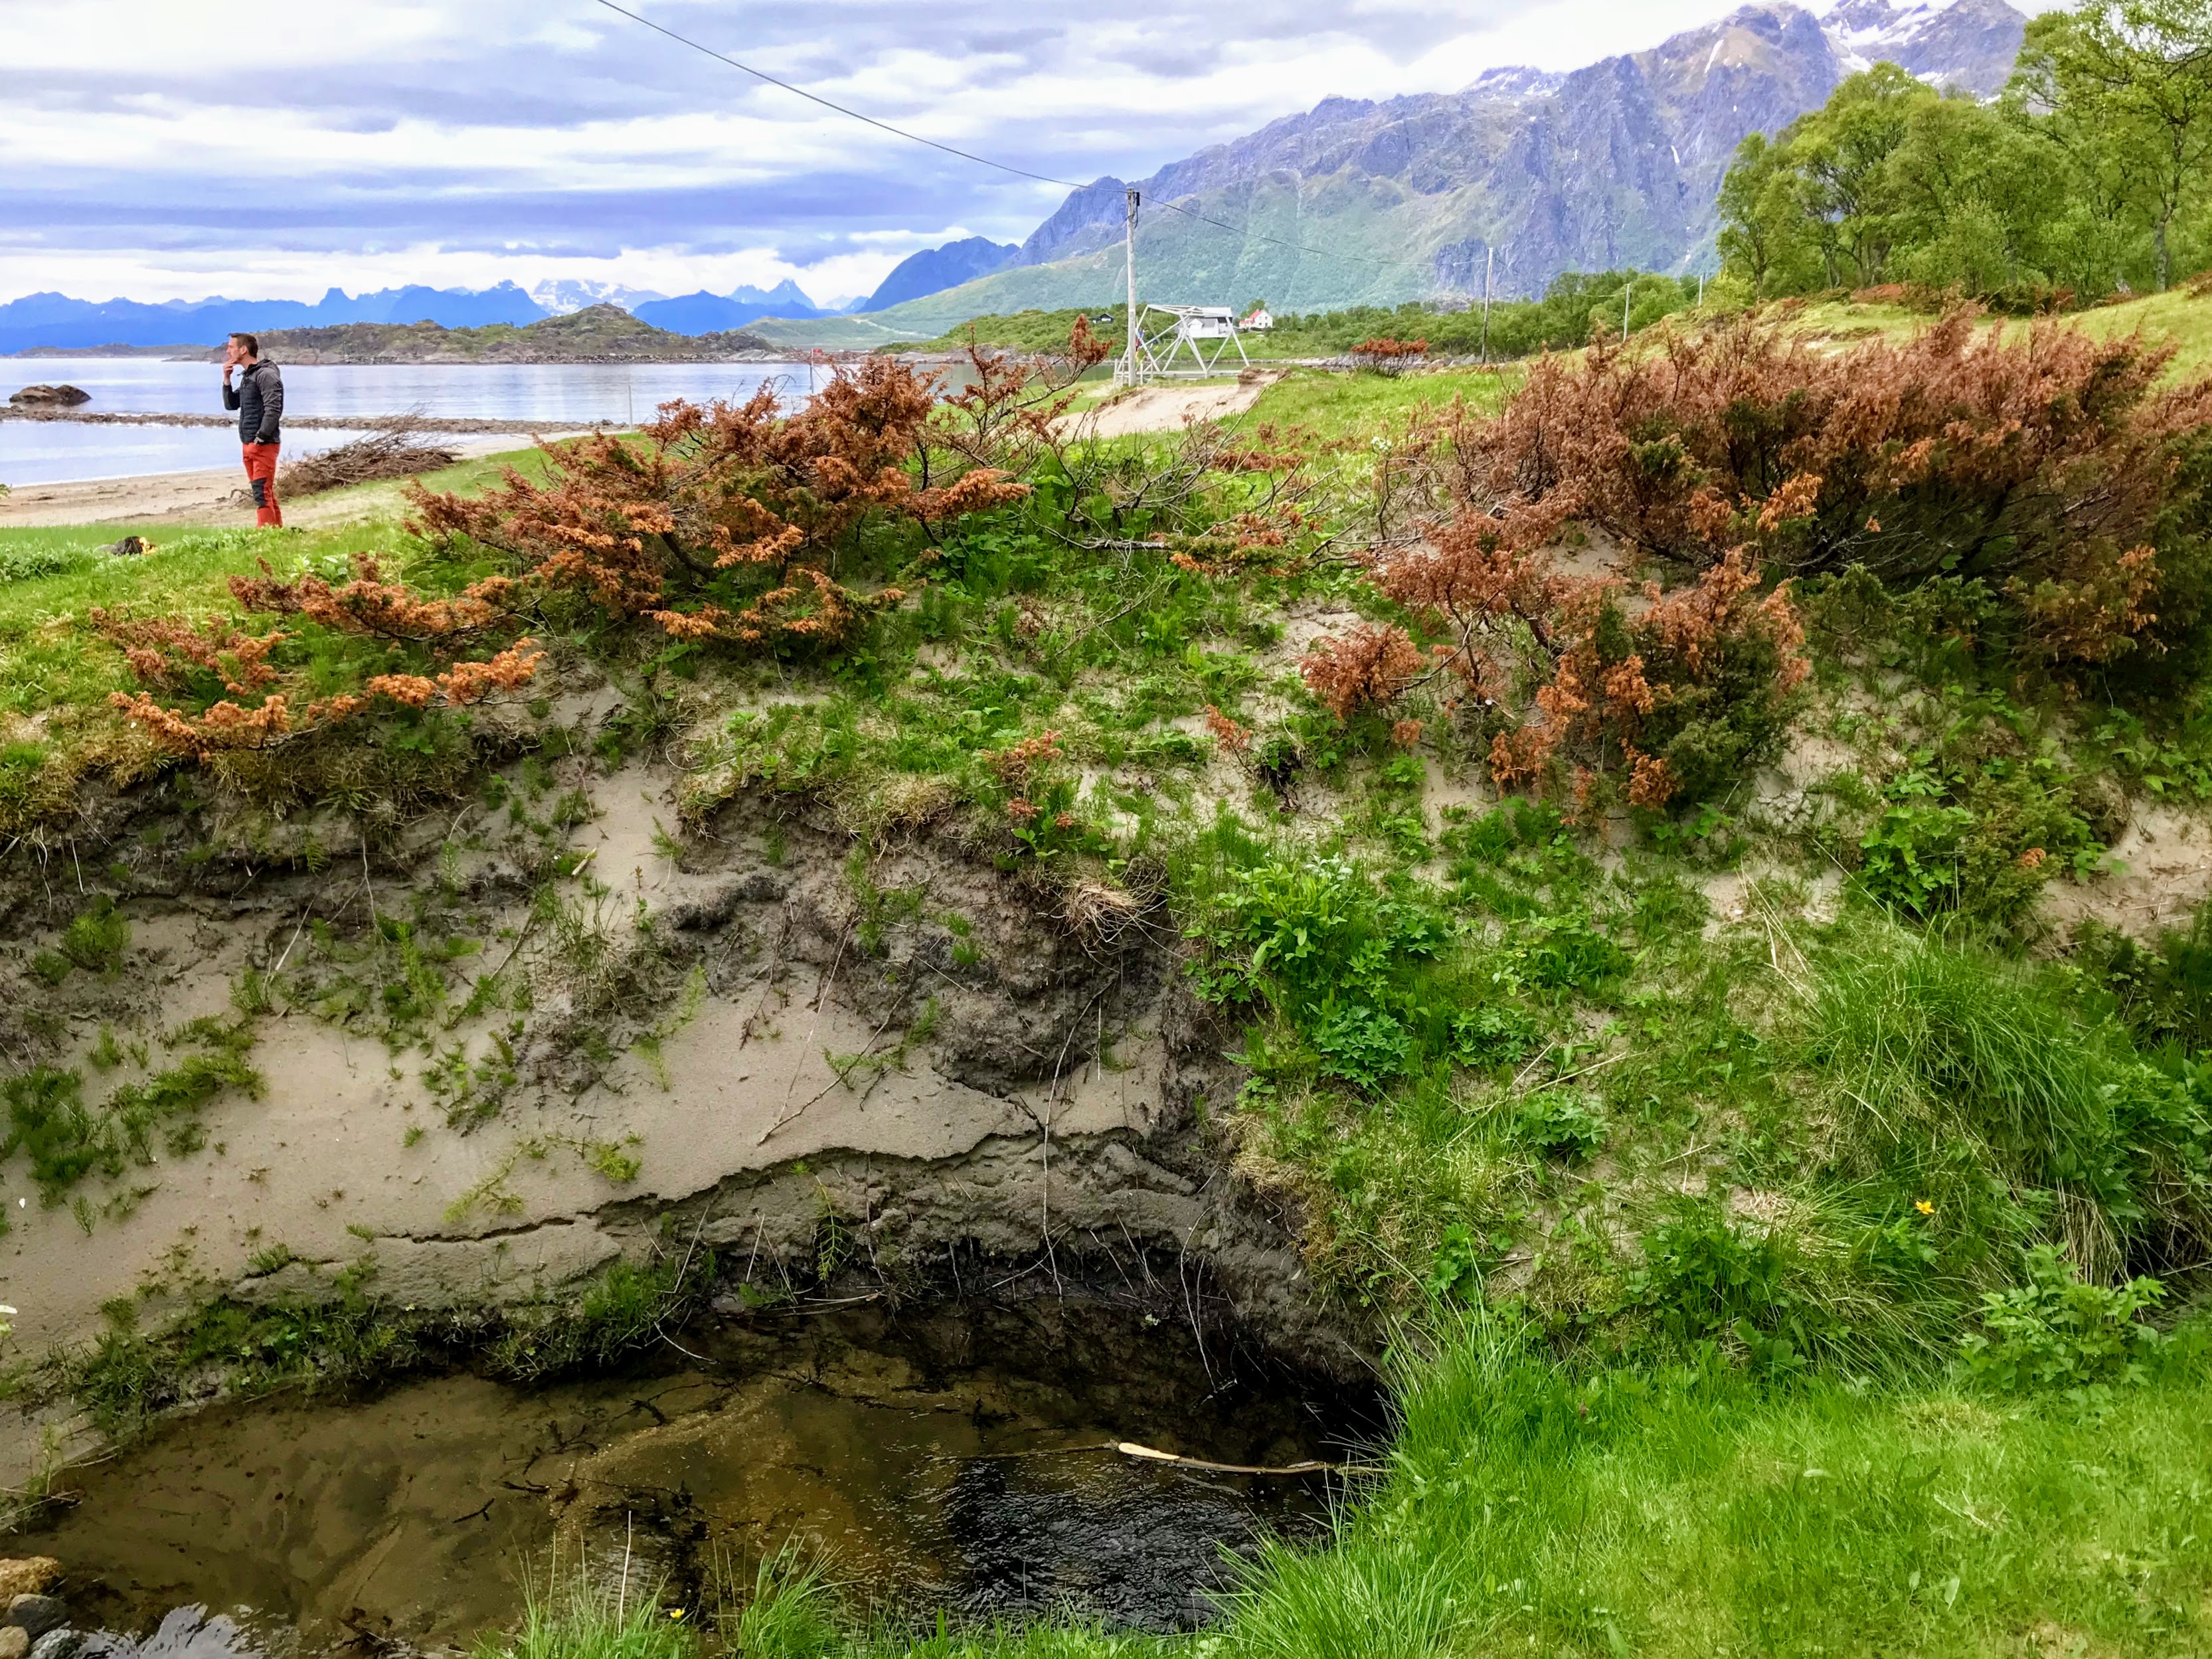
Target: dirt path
1169, 408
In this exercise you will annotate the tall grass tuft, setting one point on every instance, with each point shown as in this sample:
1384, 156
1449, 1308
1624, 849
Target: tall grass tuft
790, 1613
1531, 1506
1976, 1084
578, 1617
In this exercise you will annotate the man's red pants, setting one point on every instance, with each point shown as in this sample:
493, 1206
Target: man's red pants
261, 473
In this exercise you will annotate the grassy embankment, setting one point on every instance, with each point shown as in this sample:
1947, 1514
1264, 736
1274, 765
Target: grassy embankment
1805, 1167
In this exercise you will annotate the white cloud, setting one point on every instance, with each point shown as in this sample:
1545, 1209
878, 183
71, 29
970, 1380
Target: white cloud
173, 148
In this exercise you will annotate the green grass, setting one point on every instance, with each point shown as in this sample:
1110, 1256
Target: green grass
53, 663
2178, 316
1678, 1514
65, 1139
1349, 406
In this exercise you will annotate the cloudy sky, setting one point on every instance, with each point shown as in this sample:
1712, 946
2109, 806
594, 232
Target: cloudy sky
172, 148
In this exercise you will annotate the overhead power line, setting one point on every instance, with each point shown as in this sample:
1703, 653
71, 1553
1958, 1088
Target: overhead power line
816, 98
968, 155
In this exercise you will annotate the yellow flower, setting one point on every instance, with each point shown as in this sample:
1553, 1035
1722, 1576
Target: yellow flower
1923, 1207
675, 1613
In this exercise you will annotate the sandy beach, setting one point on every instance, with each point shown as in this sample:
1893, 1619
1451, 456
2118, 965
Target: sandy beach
215, 496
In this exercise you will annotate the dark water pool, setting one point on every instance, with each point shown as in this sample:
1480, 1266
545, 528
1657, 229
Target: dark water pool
956, 1458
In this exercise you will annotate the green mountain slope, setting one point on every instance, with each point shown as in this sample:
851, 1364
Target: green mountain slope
1516, 178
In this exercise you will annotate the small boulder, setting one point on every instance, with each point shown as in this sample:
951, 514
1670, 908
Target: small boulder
15, 1642
27, 1575
51, 397
36, 1614
61, 1644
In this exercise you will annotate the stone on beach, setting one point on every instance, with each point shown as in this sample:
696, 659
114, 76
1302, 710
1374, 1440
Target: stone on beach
36, 1615
29, 1575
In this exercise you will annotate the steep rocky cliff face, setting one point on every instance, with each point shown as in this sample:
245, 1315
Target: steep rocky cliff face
1613, 165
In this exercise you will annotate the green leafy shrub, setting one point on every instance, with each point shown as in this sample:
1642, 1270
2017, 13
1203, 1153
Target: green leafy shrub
2057, 1331
1561, 1123
2161, 992
1360, 1043
1564, 952
1702, 1277
1912, 854
1495, 1034
1977, 835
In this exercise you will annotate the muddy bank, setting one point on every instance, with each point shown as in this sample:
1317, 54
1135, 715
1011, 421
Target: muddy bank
954, 1455
479, 1056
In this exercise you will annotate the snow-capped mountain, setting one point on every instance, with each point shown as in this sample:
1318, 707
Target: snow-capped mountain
1616, 164
1947, 43
560, 298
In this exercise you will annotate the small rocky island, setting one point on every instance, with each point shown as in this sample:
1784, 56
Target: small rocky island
51, 397
597, 334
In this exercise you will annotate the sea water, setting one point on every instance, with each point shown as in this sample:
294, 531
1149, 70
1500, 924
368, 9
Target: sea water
530, 394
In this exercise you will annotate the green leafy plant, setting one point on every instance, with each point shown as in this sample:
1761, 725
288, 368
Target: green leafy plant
1560, 1123
2056, 1331
1705, 1278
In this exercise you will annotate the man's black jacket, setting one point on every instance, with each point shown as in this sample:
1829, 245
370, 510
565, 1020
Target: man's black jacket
258, 398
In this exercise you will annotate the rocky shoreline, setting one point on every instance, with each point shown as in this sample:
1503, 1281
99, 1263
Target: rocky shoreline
36, 1623
461, 424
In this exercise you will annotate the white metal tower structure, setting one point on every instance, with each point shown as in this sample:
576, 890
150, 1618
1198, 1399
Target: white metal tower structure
1208, 334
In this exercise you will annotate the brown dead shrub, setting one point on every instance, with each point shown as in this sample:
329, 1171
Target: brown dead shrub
2051, 469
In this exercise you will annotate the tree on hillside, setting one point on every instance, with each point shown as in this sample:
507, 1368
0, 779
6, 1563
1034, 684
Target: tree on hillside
1974, 198
1820, 206
1758, 217
1838, 158
2125, 86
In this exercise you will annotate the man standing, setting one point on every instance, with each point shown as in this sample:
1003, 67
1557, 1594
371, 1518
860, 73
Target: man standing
258, 398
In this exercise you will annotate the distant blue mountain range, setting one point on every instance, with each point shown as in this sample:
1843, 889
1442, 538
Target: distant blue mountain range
55, 320
710, 314
59, 323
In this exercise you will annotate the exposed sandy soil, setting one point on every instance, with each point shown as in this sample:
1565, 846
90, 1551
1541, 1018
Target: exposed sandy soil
2165, 859
1007, 1123
1170, 408
215, 498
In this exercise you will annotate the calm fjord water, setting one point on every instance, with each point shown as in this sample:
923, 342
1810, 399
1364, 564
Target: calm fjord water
582, 394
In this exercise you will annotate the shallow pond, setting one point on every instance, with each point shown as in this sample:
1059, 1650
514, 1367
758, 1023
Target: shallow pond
958, 1458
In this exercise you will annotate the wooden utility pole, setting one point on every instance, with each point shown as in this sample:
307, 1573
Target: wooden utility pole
1489, 269
1627, 293
1129, 252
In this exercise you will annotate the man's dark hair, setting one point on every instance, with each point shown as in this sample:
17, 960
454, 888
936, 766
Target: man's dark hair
253, 346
